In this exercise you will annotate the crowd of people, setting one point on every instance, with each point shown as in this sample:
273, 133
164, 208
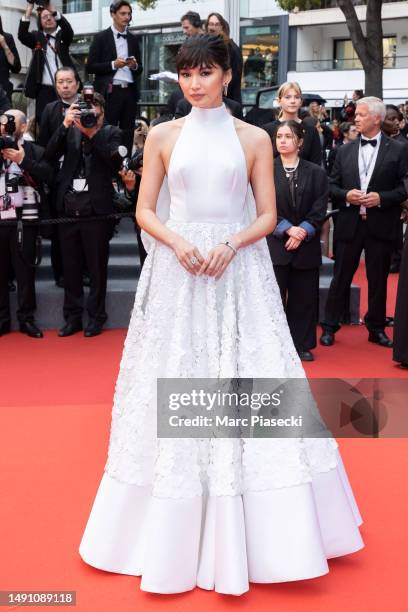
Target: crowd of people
82, 132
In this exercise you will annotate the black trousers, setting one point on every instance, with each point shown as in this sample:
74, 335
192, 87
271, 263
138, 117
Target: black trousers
377, 259
300, 297
45, 95
121, 109
85, 242
12, 257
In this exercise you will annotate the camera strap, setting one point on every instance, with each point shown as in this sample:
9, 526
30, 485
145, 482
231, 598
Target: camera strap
52, 77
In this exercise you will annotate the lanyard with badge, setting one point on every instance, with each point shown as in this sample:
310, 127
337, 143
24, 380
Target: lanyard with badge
366, 170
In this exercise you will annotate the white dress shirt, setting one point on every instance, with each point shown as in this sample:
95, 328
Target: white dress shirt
367, 156
52, 59
122, 75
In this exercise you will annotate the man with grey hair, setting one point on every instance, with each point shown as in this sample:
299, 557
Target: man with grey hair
22, 171
367, 186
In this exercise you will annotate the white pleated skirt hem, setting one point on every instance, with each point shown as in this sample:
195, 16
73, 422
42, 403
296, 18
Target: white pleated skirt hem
222, 543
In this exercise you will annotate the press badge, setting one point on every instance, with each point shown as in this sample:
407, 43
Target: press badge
80, 184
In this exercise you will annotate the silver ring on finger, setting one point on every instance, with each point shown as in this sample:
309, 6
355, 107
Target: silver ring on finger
193, 261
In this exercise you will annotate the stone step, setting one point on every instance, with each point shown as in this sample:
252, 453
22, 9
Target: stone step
120, 300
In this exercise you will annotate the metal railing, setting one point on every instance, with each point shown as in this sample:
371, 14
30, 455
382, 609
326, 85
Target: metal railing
393, 61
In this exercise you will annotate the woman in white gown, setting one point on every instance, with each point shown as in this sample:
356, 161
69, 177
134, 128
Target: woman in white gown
216, 513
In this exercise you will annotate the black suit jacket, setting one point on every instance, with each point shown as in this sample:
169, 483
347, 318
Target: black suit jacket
311, 150
67, 142
311, 206
102, 53
184, 107
387, 179
38, 43
6, 68
4, 101
51, 119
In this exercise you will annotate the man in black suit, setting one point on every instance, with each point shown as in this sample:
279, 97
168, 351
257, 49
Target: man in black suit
114, 58
367, 185
50, 45
67, 85
22, 170
9, 60
83, 189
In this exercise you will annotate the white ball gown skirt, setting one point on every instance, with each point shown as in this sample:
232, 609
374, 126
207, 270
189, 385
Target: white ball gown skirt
215, 513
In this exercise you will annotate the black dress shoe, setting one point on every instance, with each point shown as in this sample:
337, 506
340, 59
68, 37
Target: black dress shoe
394, 268
327, 338
389, 321
31, 329
306, 356
379, 337
4, 329
70, 328
93, 329
403, 365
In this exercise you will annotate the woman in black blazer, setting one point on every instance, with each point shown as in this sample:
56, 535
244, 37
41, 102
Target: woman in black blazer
290, 101
301, 197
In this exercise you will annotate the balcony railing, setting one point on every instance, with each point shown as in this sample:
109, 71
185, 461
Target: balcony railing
393, 61
324, 4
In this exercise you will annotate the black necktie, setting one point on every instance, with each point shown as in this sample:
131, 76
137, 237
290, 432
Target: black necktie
373, 142
118, 35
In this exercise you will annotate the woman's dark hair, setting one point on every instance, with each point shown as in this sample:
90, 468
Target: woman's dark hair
223, 22
295, 127
203, 50
359, 93
1, 27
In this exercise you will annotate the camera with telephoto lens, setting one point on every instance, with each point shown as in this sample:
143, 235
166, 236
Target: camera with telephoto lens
86, 108
133, 163
6, 140
30, 204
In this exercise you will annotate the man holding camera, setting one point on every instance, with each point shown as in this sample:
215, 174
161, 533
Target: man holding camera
67, 85
22, 169
50, 45
84, 189
114, 58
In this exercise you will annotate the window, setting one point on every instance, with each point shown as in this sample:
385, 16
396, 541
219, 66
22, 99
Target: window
76, 6
345, 57
260, 50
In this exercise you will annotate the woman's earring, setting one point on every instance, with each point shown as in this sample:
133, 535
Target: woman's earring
225, 89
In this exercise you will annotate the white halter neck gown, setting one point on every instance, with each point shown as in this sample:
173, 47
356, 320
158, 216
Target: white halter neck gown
215, 513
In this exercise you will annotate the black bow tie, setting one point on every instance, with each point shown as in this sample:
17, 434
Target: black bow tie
364, 142
118, 35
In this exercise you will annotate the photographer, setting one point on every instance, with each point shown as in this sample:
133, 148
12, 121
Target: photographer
131, 174
50, 45
84, 189
22, 169
67, 85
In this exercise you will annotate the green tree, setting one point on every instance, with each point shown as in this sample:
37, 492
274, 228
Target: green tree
369, 48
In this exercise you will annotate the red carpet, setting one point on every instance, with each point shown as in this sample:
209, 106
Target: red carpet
55, 407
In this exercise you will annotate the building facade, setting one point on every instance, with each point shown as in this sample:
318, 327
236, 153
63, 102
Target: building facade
312, 47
